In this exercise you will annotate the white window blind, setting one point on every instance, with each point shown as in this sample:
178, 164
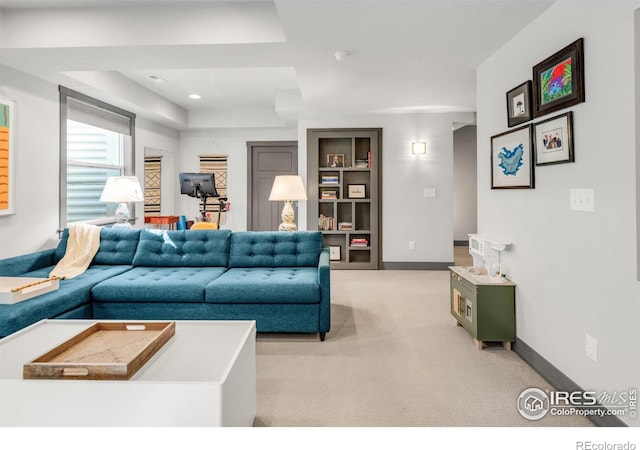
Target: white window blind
96, 143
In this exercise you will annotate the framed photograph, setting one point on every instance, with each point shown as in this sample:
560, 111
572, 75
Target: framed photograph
519, 104
558, 81
334, 253
357, 191
335, 160
553, 140
7, 156
512, 159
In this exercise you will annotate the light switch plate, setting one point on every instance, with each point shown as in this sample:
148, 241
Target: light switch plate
582, 200
429, 192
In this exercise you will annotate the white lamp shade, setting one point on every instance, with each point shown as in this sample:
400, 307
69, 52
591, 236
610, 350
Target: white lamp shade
122, 189
287, 187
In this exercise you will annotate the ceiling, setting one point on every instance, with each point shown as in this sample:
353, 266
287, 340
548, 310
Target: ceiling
261, 63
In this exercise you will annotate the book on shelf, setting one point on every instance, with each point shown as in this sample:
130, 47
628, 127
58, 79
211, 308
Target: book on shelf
369, 159
345, 226
330, 179
359, 242
329, 195
326, 223
361, 163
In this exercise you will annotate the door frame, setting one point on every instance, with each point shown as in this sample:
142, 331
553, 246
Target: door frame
250, 147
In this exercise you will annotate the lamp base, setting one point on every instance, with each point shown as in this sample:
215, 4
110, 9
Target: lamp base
287, 218
122, 216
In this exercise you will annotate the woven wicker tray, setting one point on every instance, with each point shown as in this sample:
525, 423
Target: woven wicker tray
104, 351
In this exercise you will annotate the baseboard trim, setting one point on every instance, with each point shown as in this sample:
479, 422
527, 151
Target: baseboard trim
559, 380
460, 243
416, 265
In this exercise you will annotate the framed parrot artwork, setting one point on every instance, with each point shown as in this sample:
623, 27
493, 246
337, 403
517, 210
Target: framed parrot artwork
558, 81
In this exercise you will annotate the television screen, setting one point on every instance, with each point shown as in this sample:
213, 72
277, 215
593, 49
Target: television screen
198, 185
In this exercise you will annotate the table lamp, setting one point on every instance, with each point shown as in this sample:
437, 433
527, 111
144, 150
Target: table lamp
122, 190
287, 188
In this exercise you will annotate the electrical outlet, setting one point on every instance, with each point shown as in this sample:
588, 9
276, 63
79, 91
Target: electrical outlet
591, 347
412, 245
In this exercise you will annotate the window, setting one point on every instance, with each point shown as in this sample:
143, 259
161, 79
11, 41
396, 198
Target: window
96, 142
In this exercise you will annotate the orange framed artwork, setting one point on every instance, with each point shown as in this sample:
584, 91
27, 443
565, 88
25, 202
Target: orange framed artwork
7, 156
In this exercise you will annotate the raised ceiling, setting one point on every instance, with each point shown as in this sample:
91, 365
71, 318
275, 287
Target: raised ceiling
262, 63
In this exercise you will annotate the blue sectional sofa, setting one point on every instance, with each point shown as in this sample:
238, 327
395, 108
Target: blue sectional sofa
279, 279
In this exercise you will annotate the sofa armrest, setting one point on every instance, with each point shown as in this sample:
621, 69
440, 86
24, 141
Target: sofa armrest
17, 265
324, 279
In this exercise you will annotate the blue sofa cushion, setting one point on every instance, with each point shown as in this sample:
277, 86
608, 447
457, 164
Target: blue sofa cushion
157, 284
183, 248
117, 246
275, 249
69, 296
265, 285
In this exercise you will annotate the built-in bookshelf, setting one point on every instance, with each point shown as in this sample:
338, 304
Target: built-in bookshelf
343, 170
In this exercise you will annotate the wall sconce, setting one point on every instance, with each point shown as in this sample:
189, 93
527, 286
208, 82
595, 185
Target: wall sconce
419, 148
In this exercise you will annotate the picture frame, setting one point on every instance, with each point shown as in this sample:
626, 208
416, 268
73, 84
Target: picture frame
7, 156
553, 140
335, 160
356, 191
558, 81
519, 104
512, 159
334, 253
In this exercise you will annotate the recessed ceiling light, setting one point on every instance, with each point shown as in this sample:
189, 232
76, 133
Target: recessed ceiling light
156, 78
195, 96
341, 55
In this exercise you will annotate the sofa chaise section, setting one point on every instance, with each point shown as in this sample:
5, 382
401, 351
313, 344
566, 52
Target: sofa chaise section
72, 299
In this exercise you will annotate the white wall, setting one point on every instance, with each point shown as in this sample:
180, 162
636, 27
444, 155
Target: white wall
231, 142
153, 139
575, 271
407, 214
37, 153
34, 225
465, 181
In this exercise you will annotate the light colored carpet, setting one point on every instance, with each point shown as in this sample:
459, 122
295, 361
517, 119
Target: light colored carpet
394, 358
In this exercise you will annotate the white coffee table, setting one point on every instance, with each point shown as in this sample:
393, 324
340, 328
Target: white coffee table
205, 375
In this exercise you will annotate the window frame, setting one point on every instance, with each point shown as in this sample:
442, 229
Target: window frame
128, 152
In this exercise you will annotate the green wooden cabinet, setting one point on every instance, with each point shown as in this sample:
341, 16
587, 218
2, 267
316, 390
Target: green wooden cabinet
483, 307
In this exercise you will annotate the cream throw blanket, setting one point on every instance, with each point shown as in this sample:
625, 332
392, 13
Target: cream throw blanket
82, 246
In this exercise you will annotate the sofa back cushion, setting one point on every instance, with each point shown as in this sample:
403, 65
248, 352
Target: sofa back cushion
117, 246
275, 248
183, 248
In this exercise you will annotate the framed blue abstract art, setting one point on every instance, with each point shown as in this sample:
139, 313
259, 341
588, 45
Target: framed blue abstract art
512, 159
